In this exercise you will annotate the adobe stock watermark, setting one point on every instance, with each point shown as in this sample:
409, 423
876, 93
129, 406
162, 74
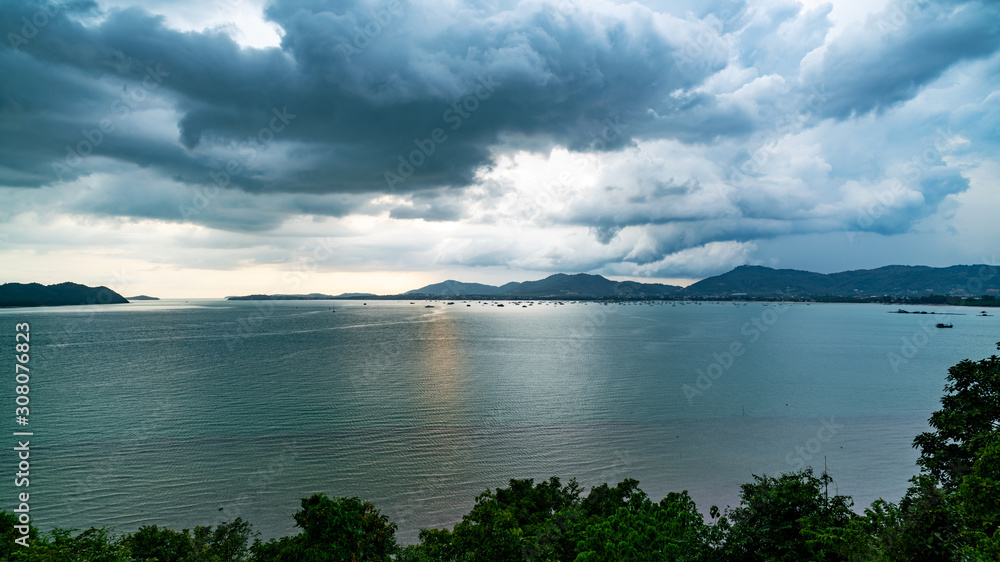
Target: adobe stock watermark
121, 109
975, 285
228, 7
587, 329
32, 26
254, 145
898, 14
456, 115
874, 210
912, 344
801, 455
257, 483
697, 46
378, 21
720, 363
253, 322
790, 122
119, 282
915, 168
552, 194
102, 476
609, 130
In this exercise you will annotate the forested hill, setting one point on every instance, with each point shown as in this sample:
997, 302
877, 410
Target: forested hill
35, 294
894, 280
560, 285
751, 280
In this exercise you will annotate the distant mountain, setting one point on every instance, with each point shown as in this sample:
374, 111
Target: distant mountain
751, 281
456, 289
580, 285
143, 298
759, 281
893, 280
747, 280
34, 294
309, 297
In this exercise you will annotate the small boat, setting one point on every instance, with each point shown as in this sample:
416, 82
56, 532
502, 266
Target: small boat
429, 306
944, 325
500, 305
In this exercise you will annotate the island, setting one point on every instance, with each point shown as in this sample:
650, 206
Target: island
62, 294
309, 297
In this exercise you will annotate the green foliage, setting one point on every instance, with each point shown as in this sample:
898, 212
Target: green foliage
979, 498
163, 545
93, 545
334, 529
228, 542
986, 549
488, 531
931, 524
522, 522
9, 550
549, 521
670, 530
875, 536
604, 501
966, 422
788, 518
435, 544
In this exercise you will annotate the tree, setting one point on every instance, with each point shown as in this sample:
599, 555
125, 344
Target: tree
435, 545
604, 501
228, 542
9, 550
525, 521
160, 544
875, 536
787, 518
488, 532
334, 529
931, 525
979, 494
966, 422
93, 545
671, 530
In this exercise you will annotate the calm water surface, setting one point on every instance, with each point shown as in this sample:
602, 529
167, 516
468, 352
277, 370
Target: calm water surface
164, 412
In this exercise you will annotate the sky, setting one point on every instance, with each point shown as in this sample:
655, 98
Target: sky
194, 148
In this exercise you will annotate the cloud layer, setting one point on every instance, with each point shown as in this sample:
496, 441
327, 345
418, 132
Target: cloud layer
546, 135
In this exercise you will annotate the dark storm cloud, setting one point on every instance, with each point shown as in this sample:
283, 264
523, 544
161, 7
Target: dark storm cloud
369, 84
901, 50
411, 99
360, 104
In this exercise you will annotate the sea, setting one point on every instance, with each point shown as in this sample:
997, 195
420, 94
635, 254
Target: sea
180, 413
